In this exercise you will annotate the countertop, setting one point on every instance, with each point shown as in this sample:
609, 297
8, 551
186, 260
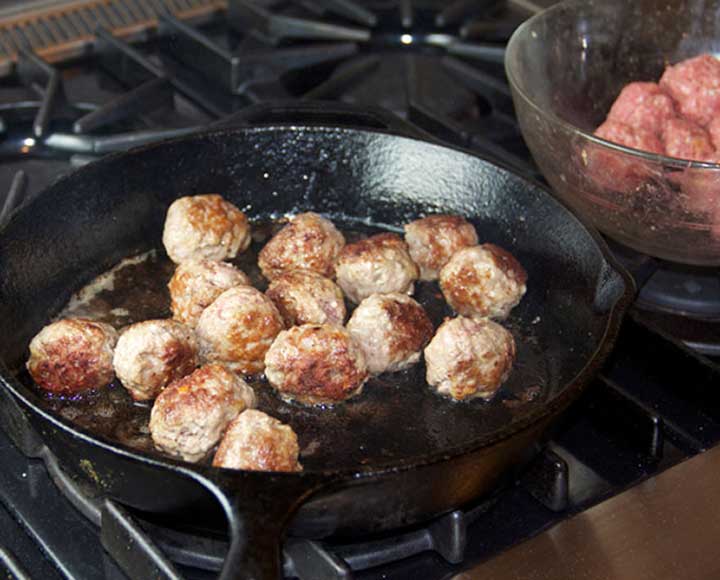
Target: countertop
665, 528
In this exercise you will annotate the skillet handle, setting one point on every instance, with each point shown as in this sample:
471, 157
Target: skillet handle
258, 506
294, 112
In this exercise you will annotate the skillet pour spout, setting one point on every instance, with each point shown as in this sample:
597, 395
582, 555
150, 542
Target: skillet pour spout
394, 456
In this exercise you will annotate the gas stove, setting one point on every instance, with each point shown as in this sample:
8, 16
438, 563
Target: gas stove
83, 79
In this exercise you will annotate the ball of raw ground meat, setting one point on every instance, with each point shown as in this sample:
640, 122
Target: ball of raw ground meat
686, 140
635, 137
392, 329
378, 264
196, 284
238, 328
150, 355
483, 281
258, 442
204, 227
700, 197
433, 240
643, 105
713, 130
72, 355
304, 297
695, 85
316, 363
469, 358
191, 414
308, 242
614, 170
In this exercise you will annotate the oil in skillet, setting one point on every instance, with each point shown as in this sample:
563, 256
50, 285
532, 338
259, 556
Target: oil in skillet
359, 431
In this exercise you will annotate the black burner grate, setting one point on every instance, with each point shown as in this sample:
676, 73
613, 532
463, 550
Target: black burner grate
640, 417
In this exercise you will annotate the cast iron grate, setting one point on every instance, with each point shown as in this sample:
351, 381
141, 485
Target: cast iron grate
631, 424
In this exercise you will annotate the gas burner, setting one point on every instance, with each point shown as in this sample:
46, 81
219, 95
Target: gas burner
692, 292
682, 301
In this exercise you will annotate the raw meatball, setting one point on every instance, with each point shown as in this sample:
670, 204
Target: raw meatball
151, 354
191, 414
643, 105
72, 355
316, 363
483, 281
308, 242
695, 85
238, 328
614, 170
713, 130
258, 442
378, 264
635, 137
204, 227
304, 297
469, 358
196, 284
686, 140
392, 329
433, 240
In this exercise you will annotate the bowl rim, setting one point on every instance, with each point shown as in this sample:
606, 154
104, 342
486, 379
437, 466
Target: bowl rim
524, 31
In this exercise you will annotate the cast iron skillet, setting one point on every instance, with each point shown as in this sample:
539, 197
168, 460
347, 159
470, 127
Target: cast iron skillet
432, 456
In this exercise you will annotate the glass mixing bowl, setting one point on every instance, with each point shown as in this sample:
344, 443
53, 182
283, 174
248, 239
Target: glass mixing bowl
566, 66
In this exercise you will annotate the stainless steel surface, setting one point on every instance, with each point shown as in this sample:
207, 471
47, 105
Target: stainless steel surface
666, 528
57, 30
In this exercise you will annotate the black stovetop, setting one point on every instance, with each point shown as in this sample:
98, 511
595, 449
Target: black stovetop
437, 65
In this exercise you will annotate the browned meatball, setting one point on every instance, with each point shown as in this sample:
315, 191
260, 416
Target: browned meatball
483, 281
204, 227
376, 265
191, 414
469, 358
72, 355
304, 297
238, 328
308, 242
196, 284
392, 330
258, 442
316, 363
433, 240
151, 354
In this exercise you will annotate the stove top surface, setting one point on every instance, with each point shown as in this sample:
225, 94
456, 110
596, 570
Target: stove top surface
437, 65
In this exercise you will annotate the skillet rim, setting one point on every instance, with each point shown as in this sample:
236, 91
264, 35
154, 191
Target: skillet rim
569, 391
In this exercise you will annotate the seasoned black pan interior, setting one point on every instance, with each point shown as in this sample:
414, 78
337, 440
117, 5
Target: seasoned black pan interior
365, 182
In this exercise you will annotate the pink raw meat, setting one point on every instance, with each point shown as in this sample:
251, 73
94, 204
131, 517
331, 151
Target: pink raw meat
635, 137
686, 140
617, 171
713, 129
695, 86
643, 105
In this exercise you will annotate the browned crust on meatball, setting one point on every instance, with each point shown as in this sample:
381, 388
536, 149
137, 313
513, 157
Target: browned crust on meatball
179, 355
445, 234
325, 370
469, 375
256, 441
281, 292
507, 263
190, 392
308, 242
70, 364
460, 287
361, 247
238, 328
210, 212
196, 284
461, 292
413, 328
